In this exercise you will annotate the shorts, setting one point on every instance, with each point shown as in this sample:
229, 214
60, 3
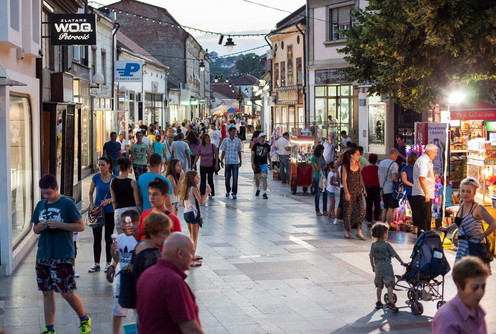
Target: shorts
118, 311
264, 171
55, 274
381, 282
117, 215
331, 194
389, 201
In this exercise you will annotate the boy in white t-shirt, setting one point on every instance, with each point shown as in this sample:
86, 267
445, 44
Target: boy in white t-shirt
332, 191
122, 252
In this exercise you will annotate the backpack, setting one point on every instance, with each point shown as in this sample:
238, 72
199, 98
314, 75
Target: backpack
398, 190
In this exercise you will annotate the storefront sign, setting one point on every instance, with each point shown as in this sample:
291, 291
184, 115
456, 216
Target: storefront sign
433, 133
128, 71
287, 96
474, 115
331, 76
73, 29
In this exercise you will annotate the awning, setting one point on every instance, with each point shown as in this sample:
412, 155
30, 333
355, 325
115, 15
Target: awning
5, 80
477, 111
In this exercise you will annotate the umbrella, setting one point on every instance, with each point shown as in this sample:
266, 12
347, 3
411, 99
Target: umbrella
232, 110
219, 110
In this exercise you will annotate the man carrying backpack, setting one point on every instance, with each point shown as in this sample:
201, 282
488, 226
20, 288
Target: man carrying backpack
388, 173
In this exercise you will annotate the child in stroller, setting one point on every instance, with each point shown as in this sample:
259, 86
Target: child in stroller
380, 254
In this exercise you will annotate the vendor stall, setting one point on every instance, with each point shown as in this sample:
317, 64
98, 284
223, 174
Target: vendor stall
300, 168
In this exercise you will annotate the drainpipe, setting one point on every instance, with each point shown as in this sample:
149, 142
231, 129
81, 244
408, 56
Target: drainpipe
305, 102
305, 65
114, 32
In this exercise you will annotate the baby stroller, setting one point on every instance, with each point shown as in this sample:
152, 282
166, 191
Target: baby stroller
421, 276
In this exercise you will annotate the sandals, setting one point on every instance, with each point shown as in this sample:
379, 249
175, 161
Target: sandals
361, 237
198, 258
196, 263
348, 236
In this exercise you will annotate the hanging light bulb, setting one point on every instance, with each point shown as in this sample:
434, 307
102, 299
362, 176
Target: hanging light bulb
229, 44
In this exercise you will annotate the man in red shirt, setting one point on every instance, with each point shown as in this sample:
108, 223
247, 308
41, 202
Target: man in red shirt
165, 303
158, 190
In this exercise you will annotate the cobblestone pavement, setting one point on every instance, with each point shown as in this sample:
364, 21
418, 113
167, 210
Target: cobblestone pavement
271, 266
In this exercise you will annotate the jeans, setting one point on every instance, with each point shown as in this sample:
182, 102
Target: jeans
373, 199
232, 170
204, 173
284, 167
318, 192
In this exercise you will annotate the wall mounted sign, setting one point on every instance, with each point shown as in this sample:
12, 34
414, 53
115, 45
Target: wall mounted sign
331, 76
73, 29
128, 71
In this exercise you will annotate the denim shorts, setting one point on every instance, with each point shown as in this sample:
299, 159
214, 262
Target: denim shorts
331, 194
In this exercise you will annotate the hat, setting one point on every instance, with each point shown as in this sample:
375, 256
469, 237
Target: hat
263, 134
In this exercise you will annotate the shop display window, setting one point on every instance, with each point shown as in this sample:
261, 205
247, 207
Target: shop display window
21, 168
335, 101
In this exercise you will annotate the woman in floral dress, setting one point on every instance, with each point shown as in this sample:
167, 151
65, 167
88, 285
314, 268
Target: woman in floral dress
353, 200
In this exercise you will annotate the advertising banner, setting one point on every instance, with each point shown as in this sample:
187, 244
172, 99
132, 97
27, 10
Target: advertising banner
73, 29
128, 71
433, 133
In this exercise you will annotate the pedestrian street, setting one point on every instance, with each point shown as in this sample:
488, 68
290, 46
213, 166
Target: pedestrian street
270, 266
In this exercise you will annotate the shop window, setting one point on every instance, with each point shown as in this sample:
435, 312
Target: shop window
21, 169
377, 120
339, 20
335, 101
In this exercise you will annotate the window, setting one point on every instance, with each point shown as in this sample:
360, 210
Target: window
339, 19
283, 74
15, 15
276, 75
377, 116
104, 66
335, 101
299, 71
290, 65
21, 169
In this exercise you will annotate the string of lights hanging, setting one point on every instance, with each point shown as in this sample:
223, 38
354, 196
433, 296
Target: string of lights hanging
229, 42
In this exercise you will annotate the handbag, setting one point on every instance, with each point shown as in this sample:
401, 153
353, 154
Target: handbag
322, 182
190, 217
127, 289
482, 250
214, 161
96, 218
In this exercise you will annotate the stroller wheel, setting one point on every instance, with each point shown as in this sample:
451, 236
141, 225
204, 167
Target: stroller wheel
440, 303
412, 295
417, 308
386, 298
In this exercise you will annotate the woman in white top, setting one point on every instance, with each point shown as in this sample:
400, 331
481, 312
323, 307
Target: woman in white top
192, 199
175, 174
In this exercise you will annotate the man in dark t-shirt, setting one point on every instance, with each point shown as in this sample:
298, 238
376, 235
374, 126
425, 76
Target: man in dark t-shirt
401, 146
260, 162
112, 149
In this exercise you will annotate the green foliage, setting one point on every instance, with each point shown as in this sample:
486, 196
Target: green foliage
417, 50
250, 63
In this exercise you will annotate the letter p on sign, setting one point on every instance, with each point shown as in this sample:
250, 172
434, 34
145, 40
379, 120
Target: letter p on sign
128, 70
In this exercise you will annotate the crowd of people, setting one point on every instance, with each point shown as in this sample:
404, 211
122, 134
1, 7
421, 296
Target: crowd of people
141, 184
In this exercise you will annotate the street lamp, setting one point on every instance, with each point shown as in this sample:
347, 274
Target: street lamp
240, 98
454, 99
229, 44
202, 66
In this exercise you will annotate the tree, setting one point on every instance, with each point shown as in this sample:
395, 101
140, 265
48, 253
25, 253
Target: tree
417, 50
250, 63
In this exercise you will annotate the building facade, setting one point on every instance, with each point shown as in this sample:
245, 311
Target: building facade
20, 42
334, 102
288, 82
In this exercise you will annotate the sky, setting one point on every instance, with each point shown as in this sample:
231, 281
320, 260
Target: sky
227, 16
